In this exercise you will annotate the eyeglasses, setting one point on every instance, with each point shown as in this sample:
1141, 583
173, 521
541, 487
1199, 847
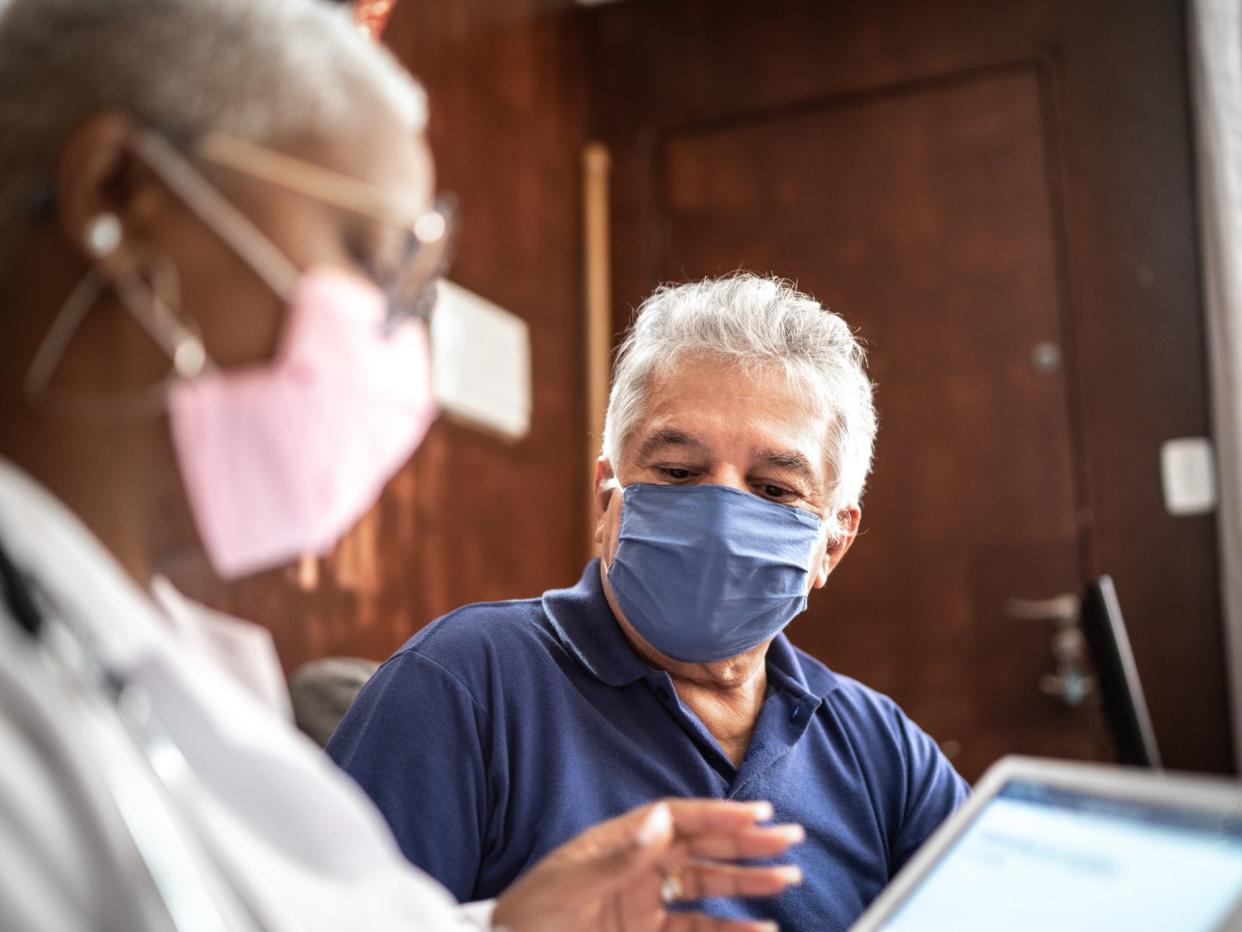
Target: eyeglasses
428, 239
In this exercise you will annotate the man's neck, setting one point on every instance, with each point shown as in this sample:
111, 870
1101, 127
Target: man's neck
729, 712
726, 695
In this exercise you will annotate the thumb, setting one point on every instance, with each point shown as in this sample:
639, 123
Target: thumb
630, 851
601, 862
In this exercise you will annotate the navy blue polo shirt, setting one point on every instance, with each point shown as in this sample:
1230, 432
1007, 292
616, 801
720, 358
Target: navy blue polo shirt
502, 730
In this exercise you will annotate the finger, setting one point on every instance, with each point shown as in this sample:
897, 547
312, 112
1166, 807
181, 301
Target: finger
698, 816
614, 852
756, 842
639, 905
703, 880
602, 862
699, 922
760, 841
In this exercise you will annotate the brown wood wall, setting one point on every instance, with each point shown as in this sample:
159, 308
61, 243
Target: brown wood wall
1118, 135
510, 84
472, 517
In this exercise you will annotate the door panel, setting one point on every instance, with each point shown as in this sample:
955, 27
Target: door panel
963, 179
924, 216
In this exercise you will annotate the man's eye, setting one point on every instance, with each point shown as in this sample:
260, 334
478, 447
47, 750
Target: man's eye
672, 472
776, 493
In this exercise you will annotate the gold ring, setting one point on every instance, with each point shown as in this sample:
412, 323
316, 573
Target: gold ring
670, 887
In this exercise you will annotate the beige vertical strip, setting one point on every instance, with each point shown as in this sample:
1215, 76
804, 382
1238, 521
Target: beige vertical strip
1215, 31
597, 278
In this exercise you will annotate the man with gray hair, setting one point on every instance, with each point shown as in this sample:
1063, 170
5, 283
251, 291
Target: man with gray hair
738, 440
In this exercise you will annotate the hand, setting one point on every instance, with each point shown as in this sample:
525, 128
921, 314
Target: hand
614, 877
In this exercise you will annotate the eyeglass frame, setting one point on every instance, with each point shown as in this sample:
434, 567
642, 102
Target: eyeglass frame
429, 237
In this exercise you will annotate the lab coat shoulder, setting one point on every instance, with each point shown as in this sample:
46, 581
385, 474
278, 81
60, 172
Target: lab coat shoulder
63, 844
291, 839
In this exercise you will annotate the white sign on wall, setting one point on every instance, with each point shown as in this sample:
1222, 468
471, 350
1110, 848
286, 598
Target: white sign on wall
481, 362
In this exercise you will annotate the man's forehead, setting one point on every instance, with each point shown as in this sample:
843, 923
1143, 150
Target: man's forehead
796, 453
667, 436
714, 403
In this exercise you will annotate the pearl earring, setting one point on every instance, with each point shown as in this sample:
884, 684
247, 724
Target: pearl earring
103, 235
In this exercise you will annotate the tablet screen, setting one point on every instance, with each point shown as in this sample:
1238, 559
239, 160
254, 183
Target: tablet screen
1039, 858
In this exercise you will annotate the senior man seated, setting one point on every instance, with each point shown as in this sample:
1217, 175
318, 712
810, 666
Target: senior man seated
738, 439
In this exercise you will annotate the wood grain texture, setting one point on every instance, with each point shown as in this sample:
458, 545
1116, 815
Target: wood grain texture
471, 517
517, 86
923, 214
1114, 118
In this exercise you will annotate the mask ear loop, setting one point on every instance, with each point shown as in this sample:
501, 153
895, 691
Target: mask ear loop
214, 209
179, 338
611, 484
152, 307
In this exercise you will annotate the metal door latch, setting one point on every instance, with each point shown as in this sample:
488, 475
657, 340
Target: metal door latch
1070, 682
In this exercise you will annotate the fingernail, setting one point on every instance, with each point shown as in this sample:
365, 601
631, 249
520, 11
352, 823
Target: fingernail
792, 873
769, 927
655, 827
762, 810
793, 832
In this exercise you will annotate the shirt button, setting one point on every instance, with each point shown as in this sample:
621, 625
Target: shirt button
662, 693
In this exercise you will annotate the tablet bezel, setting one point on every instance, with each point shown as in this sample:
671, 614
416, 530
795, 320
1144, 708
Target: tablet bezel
1210, 794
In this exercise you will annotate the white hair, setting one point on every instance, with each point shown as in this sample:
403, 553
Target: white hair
266, 71
751, 321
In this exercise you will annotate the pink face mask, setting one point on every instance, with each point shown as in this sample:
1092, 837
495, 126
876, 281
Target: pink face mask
282, 460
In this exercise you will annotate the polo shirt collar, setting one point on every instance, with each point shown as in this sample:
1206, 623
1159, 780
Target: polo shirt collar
787, 670
584, 622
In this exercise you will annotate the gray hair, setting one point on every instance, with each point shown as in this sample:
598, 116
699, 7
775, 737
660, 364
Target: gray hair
267, 71
754, 320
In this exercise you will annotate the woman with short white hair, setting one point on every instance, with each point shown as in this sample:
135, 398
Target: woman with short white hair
217, 236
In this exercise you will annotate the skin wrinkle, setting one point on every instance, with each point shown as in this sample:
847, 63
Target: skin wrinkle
748, 429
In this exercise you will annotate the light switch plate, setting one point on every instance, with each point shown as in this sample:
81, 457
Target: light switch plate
1188, 474
481, 362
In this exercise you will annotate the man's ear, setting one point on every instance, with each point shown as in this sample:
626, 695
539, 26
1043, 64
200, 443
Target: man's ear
836, 550
601, 494
99, 176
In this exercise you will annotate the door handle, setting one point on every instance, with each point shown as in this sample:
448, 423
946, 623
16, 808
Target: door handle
1060, 609
1070, 682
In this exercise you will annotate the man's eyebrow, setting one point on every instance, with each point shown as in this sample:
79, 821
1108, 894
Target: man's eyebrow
790, 460
667, 437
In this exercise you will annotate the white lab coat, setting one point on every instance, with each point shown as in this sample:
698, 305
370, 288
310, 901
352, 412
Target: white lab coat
243, 820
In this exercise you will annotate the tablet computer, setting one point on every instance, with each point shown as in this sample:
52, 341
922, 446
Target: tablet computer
1068, 846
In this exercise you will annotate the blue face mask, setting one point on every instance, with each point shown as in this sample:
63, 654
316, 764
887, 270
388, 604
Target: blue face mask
705, 572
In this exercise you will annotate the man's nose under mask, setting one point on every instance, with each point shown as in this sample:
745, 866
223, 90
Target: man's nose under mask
708, 572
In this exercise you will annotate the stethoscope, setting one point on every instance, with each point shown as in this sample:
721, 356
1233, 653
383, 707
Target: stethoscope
172, 856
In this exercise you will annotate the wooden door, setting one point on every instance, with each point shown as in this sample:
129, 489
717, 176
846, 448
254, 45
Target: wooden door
923, 214
923, 198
